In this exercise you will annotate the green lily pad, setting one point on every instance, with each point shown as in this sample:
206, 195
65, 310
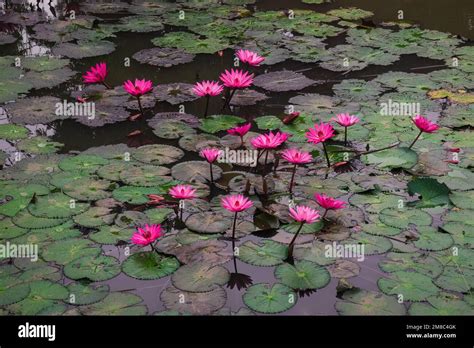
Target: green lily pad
412, 262
432, 240
268, 122
316, 252
39, 145
281, 81
149, 265
362, 302
95, 268
65, 251
413, 286
44, 63
173, 130
34, 110
431, 191
25, 220
111, 234
84, 294
195, 171
199, 277
303, 275
95, 217
268, 253
12, 291
157, 154
116, 303
372, 244
83, 49
136, 194
442, 304
197, 303
217, 123
56, 205
402, 218
145, 175
13, 132
208, 222
11, 89
455, 278
9, 230
463, 200
84, 163
269, 299
398, 157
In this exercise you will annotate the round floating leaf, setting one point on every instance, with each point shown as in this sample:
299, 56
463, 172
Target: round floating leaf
344, 269
363, 302
268, 253
197, 303
268, 122
195, 142
316, 252
208, 222
56, 205
411, 262
463, 200
84, 163
83, 49
9, 230
39, 145
402, 218
413, 286
303, 275
34, 110
398, 157
281, 81
25, 220
157, 154
149, 265
247, 97
11, 89
131, 218
372, 244
163, 57
113, 170
12, 291
44, 63
431, 191
116, 303
358, 90
430, 239
111, 234
443, 304
84, 294
217, 123
16, 198
136, 194
95, 217
158, 215
200, 277
307, 228
173, 130
95, 268
49, 79
64, 251
268, 299
13, 132
455, 278
195, 171
175, 93
145, 175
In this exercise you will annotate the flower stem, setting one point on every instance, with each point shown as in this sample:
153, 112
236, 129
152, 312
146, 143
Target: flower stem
106, 85
232, 92
326, 154
233, 227
266, 158
414, 141
140, 105
207, 104
345, 136
292, 243
292, 179
325, 212
153, 248
241, 141
212, 175
181, 213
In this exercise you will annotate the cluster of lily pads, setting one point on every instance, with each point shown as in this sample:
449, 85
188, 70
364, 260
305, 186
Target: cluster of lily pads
95, 214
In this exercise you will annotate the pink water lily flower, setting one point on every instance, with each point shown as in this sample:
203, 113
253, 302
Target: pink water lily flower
240, 130
207, 88
138, 88
270, 140
96, 74
210, 154
346, 120
329, 203
182, 192
304, 214
236, 79
319, 134
424, 125
236, 203
147, 235
296, 156
249, 57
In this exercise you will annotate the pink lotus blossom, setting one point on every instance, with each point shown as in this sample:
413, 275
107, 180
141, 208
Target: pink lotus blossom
304, 214
236, 203
329, 203
138, 88
240, 130
249, 57
207, 88
320, 133
346, 120
182, 192
425, 125
147, 235
210, 154
269, 141
96, 74
296, 156
236, 78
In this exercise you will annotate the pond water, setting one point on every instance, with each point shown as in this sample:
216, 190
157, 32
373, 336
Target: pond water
409, 207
